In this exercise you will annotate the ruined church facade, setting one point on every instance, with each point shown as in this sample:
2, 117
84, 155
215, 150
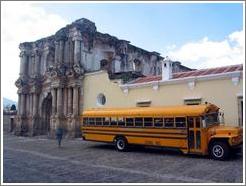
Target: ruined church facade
50, 83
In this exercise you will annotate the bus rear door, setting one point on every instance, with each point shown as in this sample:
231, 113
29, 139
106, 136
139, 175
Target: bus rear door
194, 134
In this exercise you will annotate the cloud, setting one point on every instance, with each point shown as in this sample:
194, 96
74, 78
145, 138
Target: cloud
206, 53
22, 21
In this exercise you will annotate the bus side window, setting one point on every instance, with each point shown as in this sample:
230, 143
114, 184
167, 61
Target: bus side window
85, 121
158, 122
138, 122
91, 121
198, 122
169, 122
106, 121
129, 122
190, 122
113, 121
98, 121
148, 122
121, 121
180, 122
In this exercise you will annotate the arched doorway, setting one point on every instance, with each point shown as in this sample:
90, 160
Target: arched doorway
104, 64
46, 114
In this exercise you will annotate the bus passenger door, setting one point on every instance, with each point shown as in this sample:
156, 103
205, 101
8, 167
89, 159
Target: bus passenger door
194, 134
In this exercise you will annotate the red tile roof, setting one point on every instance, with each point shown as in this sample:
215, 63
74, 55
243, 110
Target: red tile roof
193, 73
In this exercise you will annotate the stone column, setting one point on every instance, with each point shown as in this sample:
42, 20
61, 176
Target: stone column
23, 63
32, 64
44, 62
70, 99
27, 104
75, 101
19, 104
77, 49
66, 52
37, 63
56, 52
59, 101
61, 51
54, 99
71, 51
65, 101
31, 104
35, 104
22, 110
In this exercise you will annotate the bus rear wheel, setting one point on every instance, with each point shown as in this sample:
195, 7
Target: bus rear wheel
219, 150
120, 143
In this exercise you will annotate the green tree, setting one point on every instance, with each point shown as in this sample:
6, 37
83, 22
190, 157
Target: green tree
13, 107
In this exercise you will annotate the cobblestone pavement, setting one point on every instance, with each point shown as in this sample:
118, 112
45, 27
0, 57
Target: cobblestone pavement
38, 159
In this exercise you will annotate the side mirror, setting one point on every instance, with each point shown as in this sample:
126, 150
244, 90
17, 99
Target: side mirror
221, 117
203, 123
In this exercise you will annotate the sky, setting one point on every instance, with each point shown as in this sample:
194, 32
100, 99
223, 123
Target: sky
199, 35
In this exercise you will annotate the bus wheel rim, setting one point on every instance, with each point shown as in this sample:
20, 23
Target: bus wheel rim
120, 144
218, 151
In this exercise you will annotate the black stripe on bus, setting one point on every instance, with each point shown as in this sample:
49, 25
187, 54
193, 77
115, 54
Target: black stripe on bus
185, 148
134, 135
152, 132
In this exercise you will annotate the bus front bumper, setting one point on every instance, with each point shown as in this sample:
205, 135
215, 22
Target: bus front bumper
237, 148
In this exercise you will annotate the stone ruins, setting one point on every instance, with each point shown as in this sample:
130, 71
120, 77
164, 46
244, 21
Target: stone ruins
50, 83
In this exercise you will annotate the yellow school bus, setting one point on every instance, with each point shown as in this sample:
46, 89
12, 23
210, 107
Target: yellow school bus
193, 129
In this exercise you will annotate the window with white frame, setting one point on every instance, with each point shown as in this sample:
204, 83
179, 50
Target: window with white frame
101, 99
193, 101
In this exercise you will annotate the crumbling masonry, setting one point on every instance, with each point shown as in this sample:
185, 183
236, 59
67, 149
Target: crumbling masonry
50, 85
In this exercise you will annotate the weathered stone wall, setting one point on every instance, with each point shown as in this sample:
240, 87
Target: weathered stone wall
50, 85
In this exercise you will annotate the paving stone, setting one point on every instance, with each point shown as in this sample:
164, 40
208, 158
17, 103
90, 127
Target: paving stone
39, 160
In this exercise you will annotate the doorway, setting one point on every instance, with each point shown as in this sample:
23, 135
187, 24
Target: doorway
46, 114
240, 110
194, 127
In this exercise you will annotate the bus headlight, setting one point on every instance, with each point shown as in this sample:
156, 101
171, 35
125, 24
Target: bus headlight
236, 139
213, 132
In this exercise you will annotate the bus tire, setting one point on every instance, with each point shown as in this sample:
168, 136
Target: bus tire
120, 143
219, 150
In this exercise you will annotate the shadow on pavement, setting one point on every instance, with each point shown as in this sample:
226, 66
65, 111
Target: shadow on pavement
162, 151
138, 148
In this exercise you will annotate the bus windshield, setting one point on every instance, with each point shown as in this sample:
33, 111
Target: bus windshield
212, 118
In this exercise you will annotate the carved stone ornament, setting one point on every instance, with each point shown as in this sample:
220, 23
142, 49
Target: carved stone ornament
20, 82
51, 72
36, 81
78, 70
69, 73
31, 81
61, 69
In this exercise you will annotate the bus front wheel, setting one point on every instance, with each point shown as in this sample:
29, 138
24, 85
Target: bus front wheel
219, 150
120, 143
